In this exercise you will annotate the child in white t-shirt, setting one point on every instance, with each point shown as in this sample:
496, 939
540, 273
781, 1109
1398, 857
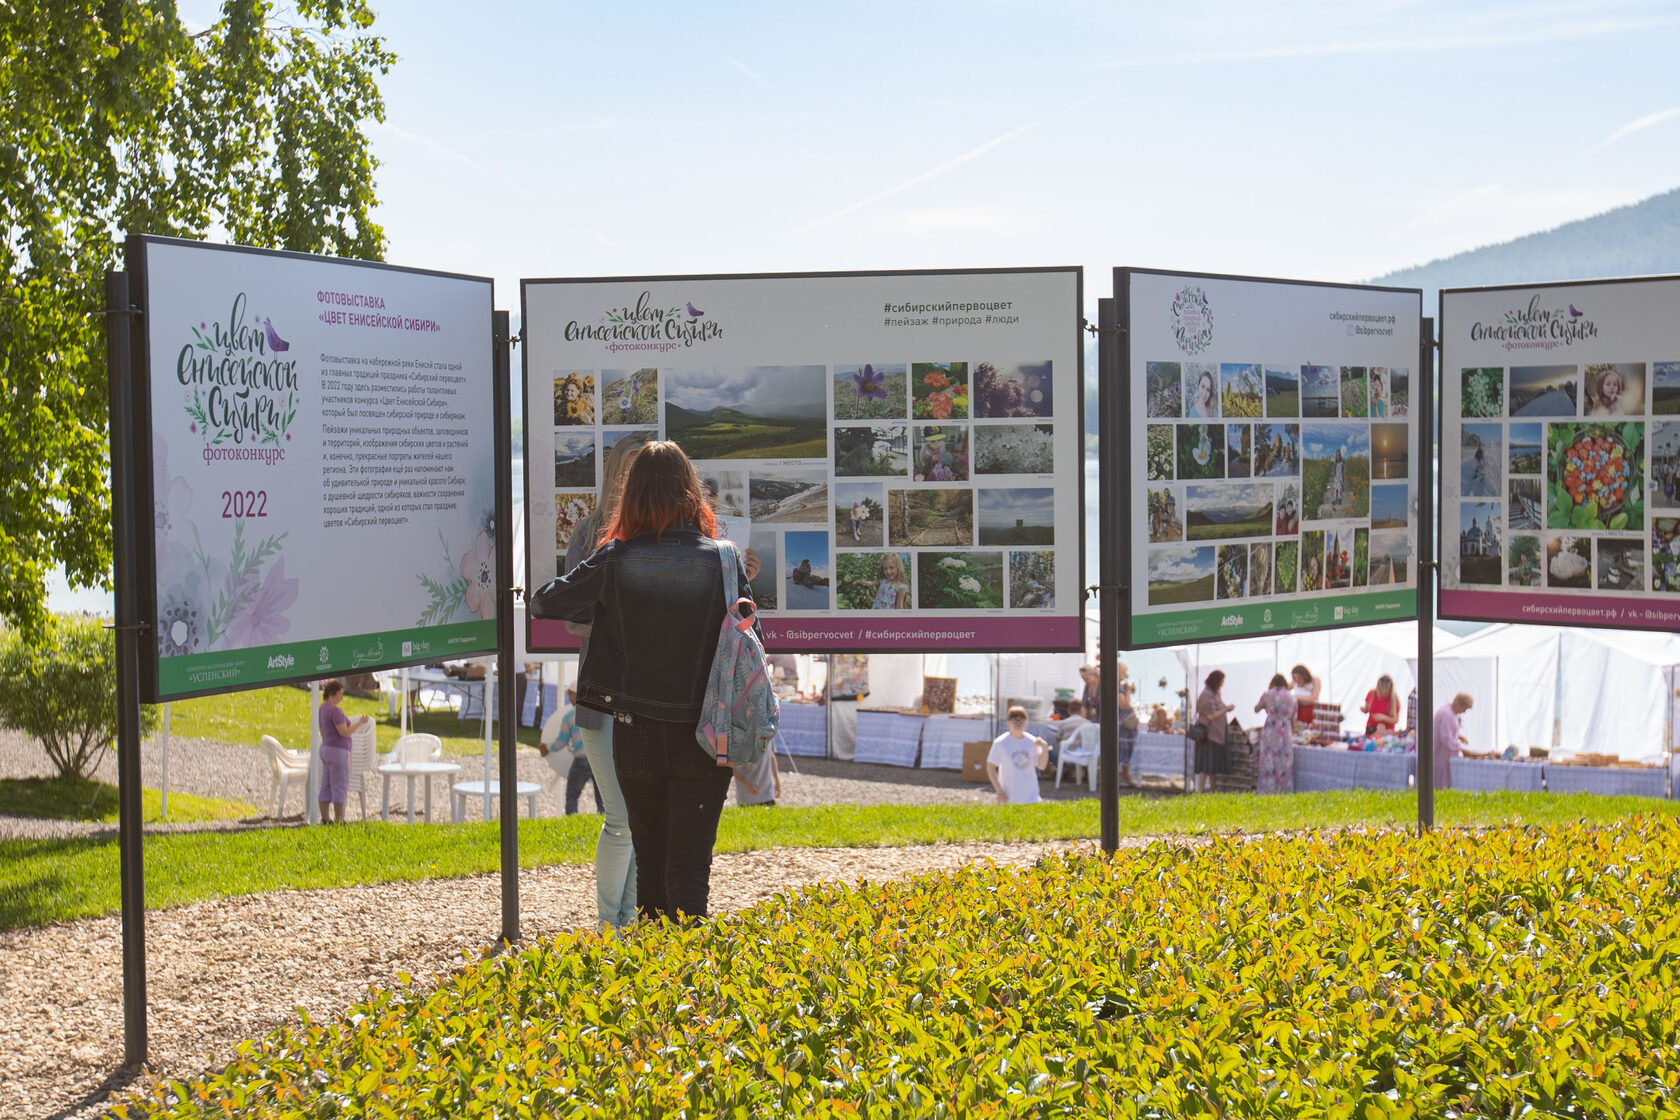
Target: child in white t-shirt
1015, 760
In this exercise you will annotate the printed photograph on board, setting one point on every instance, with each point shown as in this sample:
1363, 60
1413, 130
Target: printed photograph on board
1286, 567
1201, 391
574, 399
1012, 389
1390, 556
958, 580
1239, 456
875, 450
1545, 391
788, 495
1524, 506
872, 391
629, 396
1335, 471
727, 490
1482, 392
1017, 517
1312, 560
1568, 561
1381, 381
574, 459
1163, 390
1283, 391
1032, 580
1018, 448
1523, 561
1287, 522
1361, 556
860, 510
1232, 572
1388, 506
939, 453
1228, 511
1277, 450
766, 586
1616, 389
1594, 474
1665, 554
1259, 569
641, 435
1181, 574
1479, 546
764, 412
1321, 392
1241, 390
1665, 388
1338, 557
1481, 450
1165, 526
570, 508
1356, 392
1397, 387
1159, 453
1201, 451
1665, 464
929, 518
873, 581
1620, 565
939, 390
806, 571
1390, 451
1527, 449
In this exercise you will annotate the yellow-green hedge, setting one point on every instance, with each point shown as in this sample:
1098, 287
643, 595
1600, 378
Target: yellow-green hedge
1512, 972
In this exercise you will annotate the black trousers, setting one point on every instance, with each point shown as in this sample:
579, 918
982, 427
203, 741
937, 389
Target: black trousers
577, 777
674, 793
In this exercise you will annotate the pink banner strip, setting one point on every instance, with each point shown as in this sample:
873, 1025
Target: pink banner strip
550, 635
1563, 610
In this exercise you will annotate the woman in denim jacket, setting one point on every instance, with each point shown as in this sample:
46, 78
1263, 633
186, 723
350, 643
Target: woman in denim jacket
653, 596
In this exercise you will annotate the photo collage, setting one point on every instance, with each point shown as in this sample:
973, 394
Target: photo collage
1271, 480
1567, 478
925, 485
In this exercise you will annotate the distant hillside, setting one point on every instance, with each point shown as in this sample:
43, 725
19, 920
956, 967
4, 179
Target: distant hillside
1638, 240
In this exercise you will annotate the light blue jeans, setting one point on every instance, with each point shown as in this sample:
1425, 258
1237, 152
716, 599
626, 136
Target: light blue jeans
615, 859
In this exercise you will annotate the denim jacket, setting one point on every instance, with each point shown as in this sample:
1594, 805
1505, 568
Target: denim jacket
655, 606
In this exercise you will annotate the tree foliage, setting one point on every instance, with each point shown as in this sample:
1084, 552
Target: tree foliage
116, 119
60, 687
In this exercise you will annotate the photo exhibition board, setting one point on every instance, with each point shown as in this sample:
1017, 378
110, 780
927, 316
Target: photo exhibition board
1273, 455
1560, 454
316, 440
900, 451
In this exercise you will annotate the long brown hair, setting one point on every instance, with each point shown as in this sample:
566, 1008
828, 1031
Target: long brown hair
619, 457
660, 490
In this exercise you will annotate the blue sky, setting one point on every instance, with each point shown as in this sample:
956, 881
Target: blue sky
532, 139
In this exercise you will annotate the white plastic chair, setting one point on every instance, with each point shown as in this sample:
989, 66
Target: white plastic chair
285, 766
1081, 750
417, 746
364, 754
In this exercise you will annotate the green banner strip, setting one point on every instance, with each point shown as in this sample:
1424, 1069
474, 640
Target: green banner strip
1241, 617
327, 657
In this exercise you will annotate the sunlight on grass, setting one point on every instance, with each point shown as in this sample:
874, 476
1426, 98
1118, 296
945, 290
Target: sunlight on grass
73, 799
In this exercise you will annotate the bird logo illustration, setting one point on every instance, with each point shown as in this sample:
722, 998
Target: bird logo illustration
694, 312
275, 342
1574, 314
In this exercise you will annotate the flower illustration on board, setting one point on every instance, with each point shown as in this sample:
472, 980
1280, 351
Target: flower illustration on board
869, 386
169, 509
181, 617
264, 620
478, 569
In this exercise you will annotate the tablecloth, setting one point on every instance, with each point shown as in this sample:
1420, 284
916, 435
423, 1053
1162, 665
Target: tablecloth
803, 730
1319, 768
943, 738
888, 737
1161, 753
1606, 779
1493, 773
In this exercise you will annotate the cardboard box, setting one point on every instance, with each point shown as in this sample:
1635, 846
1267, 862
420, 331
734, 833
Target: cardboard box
974, 761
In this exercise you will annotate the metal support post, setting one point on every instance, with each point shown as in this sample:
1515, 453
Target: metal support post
508, 744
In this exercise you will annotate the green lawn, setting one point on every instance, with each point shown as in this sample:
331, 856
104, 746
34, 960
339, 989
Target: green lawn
59, 880
244, 717
77, 799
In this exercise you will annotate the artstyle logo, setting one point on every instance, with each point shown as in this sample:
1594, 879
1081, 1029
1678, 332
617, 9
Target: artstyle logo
1534, 327
644, 326
282, 661
236, 387
1231, 620
1192, 320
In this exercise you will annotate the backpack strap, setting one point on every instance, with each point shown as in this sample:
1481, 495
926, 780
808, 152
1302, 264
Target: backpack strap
732, 598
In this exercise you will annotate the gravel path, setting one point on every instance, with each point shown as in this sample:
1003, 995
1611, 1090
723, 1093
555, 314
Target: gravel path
233, 969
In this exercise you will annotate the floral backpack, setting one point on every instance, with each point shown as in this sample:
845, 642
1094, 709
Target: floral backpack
739, 712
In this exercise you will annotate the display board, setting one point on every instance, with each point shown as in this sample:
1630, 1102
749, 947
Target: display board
1560, 454
901, 450
1272, 435
316, 441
